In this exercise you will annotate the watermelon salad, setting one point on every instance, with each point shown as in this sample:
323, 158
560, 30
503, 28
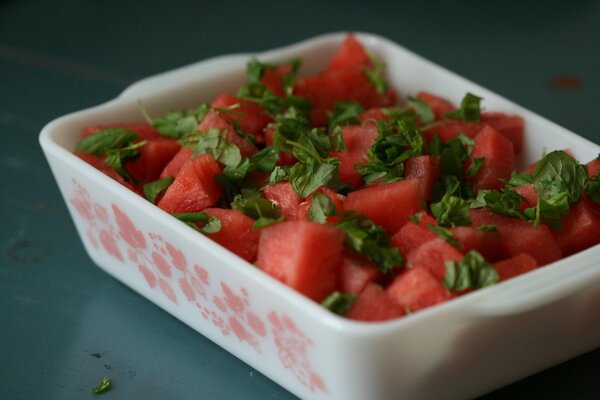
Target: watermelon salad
374, 207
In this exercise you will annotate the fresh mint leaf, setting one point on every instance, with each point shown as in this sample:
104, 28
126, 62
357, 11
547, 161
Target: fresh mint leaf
116, 158
472, 272
475, 167
211, 224
103, 140
519, 179
265, 160
375, 74
422, 109
488, 228
321, 208
445, 234
258, 208
339, 303
345, 113
174, 124
308, 176
104, 386
153, 189
451, 210
280, 173
369, 239
558, 172
469, 111
505, 203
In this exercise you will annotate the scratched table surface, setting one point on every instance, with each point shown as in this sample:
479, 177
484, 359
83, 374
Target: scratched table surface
64, 324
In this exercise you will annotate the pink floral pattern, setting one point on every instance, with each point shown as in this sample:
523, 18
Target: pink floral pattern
166, 269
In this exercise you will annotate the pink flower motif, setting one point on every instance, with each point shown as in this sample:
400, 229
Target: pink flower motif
161, 264
128, 231
167, 290
177, 257
148, 275
198, 286
101, 213
292, 347
187, 289
202, 273
242, 334
256, 324
90, 235
219, 303
132, 255
235, 303
110, 245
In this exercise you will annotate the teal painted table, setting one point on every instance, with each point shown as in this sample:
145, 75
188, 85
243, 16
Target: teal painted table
65, 324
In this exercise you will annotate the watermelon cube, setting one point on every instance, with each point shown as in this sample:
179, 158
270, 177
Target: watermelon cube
174, 165
154, 156
373, 305
515, 266
272, 78
487, 244
194, 187
358, 140
350, 54
416, 289
426, 169
388, 205
580, 229
432, 256
236, 233
251, 117
411, 235
438, 105
499, 159
282, 194
302, 254
215, 120
355, 273
510, 126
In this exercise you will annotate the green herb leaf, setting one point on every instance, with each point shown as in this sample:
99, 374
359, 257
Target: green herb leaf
153, 189
519, 179
369, 239
258, 208
116, 158
558, 172
505, 203
321, 208
451, 210
592, 189
375, 74
103, 387
488, 228
475, 167
100, 142
265, 160
212, 224
308, 176
345, 113
469, 111
445, 234
339, 303
174, 124
422, 109
472, 272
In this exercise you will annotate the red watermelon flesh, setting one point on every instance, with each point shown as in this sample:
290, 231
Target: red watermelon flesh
236, 234
355, 273
450, 129
348, 84
154, 156
514, 266
499, 159
172, 168
98, 163
416, 289
194, 187
426, 169
373, 305
580, 229
358, 140
432, 256
509, 126
373, 115
593, 167
336, 199
282, 194
251, 117
529, 196
214, 120
285, 158
485, 243
272, 78
304, 255
411, 236
517, 236
438, 105
388, 205
350, 54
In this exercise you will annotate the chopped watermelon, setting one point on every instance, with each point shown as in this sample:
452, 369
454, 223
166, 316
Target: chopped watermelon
485, 243
350, 54
251, 117
499, 159
416, 289
515, 266
282, 194
236, 233
388, 205
172, 168
529, 194
194, 187
154, 156
426, 169
358, 140
144, 131
432, 256
580, 229
214, 120
411, 235
302, 254
98, 163
355, 273
336, 199
438, 105
272, 78
510, 126
375, 304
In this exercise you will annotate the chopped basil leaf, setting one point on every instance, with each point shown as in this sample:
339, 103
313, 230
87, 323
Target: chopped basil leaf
469, 111
369, 239
375, 74
321, 208
339, 303
265, 160
505, 203
416, 218
103, 387
212, 224
445, 234
100, 142
422, 109
519, 179
175, 124
345, 113
116, 158
153, 189
475, 167
558, 172
472, 272
488, 228
258, 208
308, 176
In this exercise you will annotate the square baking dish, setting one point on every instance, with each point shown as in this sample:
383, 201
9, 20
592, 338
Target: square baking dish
460, 349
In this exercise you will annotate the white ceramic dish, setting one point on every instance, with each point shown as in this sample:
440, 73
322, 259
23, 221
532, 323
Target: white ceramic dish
460, 349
